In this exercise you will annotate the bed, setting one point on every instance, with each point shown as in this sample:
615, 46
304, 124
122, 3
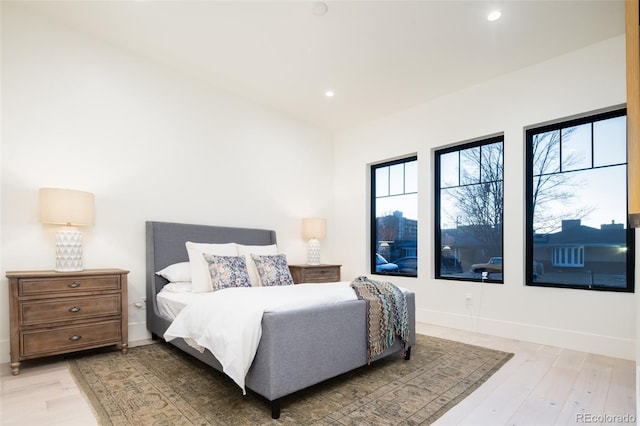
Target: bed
298, 347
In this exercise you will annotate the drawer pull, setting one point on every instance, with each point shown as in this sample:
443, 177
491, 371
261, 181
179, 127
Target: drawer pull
74, 309
75, 337
74, 284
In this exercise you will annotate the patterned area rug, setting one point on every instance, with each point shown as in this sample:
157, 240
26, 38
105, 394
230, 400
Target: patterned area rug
160, 385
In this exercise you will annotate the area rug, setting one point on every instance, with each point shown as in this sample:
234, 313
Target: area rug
158, 384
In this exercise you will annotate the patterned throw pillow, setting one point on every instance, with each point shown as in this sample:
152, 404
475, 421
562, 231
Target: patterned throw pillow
227, 271
273, 269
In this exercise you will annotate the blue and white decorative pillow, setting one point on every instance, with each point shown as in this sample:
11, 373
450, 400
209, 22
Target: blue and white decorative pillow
227, 271
273, 269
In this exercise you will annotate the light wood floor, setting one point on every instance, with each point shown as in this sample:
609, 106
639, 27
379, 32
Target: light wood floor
543, 385
540, 385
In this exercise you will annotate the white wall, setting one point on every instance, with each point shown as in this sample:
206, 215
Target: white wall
585, 80
156, 145
151, 144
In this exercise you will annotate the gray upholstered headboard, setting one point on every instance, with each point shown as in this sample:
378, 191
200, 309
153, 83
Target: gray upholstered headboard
165, 246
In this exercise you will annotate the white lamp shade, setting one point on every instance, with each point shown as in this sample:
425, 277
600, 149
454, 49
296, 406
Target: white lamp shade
314, 228
66, 207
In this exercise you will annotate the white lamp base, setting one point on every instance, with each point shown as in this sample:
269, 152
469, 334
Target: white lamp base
68, 250
313, 252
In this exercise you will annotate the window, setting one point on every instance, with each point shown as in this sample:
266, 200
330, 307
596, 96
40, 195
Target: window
394, 217
577, 230
469, 209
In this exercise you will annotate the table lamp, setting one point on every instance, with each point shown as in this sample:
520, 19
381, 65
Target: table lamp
313, 229
70, 208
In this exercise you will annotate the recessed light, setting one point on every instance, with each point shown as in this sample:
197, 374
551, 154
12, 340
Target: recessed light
320, 8
329, 93
494, 15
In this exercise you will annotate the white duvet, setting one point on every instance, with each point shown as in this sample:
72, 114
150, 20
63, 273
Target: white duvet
229, 322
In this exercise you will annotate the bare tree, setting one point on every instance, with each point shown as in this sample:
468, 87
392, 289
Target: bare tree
479, 198
550, 185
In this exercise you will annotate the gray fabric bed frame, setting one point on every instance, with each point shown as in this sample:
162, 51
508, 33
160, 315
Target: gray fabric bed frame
298, 348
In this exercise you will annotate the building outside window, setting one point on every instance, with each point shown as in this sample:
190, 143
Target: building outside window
577, 230
394, 217
570, 257
469, 208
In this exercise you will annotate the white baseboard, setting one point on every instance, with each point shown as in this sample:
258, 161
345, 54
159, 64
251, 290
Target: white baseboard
586, 342
5, 352
138, 331
570, 339
637, 385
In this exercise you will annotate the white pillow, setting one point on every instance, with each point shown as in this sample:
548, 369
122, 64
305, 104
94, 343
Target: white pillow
247, 251
200, 277
177, 272
179, 287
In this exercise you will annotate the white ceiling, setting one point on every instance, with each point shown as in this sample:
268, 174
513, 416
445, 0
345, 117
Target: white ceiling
378, 56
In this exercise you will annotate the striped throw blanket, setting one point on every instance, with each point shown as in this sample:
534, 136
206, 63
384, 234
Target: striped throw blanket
387, 315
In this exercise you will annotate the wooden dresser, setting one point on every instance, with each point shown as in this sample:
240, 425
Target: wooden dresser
54, 313
315, 273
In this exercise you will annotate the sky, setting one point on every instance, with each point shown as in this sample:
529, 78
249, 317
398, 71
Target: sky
594, 179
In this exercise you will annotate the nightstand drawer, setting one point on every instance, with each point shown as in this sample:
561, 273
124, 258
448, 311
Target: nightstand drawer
66, 339
53, 310
41, 286
315, 273
322, 275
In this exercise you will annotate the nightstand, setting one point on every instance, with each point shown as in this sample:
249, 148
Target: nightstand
315, 273
54, 313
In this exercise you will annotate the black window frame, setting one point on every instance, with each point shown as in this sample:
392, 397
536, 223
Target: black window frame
437, 208
373, 219
559, 125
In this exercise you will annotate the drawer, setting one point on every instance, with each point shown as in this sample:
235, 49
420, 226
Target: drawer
329, 274
41, 286
72, 338
52, 310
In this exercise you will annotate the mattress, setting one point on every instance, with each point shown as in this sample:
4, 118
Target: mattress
170, 304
